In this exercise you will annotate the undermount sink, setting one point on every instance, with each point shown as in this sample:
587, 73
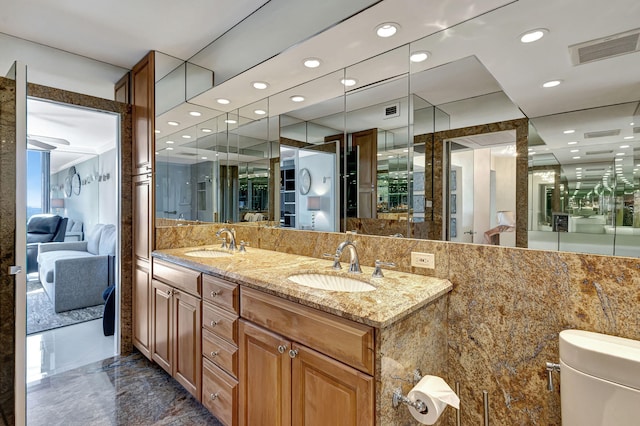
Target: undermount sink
331, 282
207, 253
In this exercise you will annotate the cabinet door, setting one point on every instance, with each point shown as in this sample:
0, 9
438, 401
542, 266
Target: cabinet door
141, 307
142, 99
142, 217
161, 325
187, 355
264, 376
327, 392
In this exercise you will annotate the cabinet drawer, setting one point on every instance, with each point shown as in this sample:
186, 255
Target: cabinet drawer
221, 352
179, 277
220, 292
219, 393
344, 340
220, 322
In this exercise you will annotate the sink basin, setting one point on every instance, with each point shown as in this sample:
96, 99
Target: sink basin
331, 282
207, 253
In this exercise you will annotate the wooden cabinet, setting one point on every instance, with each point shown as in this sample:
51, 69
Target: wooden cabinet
176, 324
220, 307
283, 382
143, 102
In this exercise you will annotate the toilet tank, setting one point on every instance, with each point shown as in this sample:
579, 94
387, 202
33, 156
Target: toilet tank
599, 379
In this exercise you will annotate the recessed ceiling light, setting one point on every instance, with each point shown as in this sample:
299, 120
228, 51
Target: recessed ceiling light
205, 130
620, 153
169, 142
628, 137
348, 82
419, 56
260, 112
169, 149
195, 113
632, 124
533, 35
173, 123
203, 158
186, 136
311, 62
551, 83
576, 158
297, 98
260, 85
156, 131
575, 150
223, 101
568, 132
229, 121
572, 143
624, 146
387, 29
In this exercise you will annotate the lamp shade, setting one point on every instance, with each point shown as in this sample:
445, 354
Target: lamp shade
314, 203
57, 203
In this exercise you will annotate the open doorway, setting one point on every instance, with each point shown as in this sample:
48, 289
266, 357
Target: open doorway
73, 234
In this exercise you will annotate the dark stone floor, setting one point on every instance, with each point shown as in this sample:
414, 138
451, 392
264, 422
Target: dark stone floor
127, 390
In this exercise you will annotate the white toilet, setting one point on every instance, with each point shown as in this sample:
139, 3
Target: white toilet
599, 379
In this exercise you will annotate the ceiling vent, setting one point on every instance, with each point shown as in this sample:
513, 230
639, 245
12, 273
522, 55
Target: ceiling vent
391, 111
602, 134
599, 152
606, 47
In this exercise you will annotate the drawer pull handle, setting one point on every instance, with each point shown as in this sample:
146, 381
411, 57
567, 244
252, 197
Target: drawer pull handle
214, 323
214, 396
215, 293
282, 348
293, 353
214, 354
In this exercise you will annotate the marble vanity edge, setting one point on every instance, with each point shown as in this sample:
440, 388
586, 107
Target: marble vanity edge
313, 298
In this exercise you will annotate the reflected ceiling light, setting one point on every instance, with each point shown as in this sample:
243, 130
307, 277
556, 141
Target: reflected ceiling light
223, 101
186, 136
260, 85
405, 150
533, 35
568, 132
312, 62
624, 146
572, 143
169, 148
551, 83
169, 142
390, 156
205, 130
387, 29
156, 131
297, 98
173, 123
620, 153
575, 150
419, 56
576, 158
195, 113
578, 168
618, 159
348, 82
632, 124
628, 137
203, 158
229, 121
260, 112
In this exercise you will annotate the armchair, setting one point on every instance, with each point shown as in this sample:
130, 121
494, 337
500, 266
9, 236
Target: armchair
42, 228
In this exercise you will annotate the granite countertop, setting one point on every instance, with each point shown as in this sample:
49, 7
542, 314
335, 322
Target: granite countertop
397, 295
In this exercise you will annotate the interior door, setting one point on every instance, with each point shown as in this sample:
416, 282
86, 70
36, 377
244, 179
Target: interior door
13, 133
460, 194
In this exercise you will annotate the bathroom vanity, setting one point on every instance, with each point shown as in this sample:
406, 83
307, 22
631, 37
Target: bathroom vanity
255, 347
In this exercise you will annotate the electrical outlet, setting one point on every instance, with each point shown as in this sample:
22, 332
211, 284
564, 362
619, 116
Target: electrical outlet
423, 260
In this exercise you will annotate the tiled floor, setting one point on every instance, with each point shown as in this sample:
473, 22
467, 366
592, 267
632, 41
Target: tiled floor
69, 382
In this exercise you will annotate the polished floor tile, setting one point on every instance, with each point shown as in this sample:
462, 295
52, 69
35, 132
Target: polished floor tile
123, 390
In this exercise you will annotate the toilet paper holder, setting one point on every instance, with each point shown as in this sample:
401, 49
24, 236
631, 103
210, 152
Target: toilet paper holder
398, 398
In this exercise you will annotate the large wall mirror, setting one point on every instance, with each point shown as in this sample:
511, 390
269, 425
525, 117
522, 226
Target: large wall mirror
421, 141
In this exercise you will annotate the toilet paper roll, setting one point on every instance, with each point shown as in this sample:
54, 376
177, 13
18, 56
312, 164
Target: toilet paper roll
436, 394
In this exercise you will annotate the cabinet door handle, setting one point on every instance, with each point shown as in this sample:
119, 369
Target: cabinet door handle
168, 292
214, 396
293, 353
214, 323
282, 348
215, 293
214, 354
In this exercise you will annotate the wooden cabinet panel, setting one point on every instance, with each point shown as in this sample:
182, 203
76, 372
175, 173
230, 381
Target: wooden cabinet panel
221, 322
143, 101
345, 340
122, 89
162, 325
367, 146
141, 307
220, 292
326, 392
142, 217
265, 378
221, 352
179, 277
187, 342
220, 394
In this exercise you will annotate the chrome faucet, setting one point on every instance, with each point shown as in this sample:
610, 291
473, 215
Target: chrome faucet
232, 237
354, 262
